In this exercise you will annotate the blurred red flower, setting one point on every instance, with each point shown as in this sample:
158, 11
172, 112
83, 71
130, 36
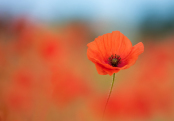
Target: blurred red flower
159, 70
128, 104
49, 46
136, 102
113, 52
67, 86
18, 94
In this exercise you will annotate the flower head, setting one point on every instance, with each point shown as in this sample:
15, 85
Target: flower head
113, 52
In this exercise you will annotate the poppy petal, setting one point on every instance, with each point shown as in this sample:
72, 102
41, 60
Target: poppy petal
103, 70
122, 45
109, 44
133, 56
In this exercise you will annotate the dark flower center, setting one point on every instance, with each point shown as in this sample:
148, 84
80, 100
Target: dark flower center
114, 60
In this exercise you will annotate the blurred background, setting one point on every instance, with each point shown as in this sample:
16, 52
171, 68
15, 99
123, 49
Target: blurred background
45, 74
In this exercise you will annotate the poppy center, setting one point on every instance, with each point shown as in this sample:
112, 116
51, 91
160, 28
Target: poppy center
114, 60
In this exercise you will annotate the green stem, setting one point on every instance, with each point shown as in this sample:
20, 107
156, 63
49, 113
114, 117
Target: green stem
109, 95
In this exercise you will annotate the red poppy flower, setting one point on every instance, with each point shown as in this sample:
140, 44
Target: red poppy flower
113, 52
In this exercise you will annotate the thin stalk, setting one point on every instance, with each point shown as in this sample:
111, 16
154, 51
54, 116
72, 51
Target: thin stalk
109, 95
